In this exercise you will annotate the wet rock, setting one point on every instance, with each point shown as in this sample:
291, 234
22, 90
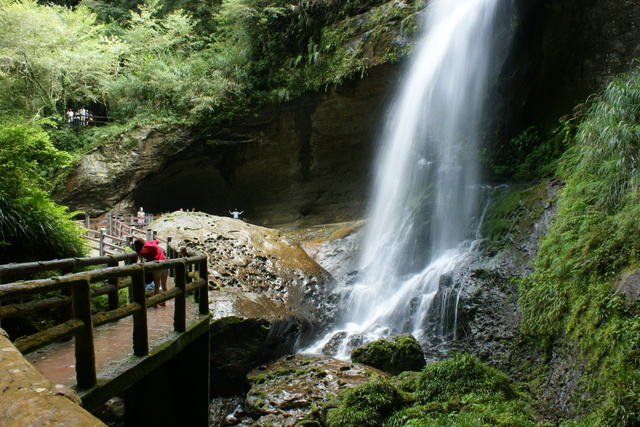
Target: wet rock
629, 286
115, 406
293, 389
398, 354
266, 294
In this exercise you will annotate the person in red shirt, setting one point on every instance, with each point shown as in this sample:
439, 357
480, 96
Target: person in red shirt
150, 251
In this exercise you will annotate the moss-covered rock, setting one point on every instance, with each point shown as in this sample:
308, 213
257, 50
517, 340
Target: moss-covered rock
402, 353
460, 391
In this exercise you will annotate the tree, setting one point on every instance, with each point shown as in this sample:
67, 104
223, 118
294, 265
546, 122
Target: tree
51, 56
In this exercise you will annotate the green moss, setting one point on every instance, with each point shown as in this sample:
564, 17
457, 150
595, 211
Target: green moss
512, 212
281, 373
402, 353
590, 244
366, 405
460, 375
460, 391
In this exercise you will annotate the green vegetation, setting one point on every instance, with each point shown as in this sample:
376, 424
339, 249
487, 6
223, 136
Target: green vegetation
569, 297
460, 391
175, 62
32, 227
511, 214
401, 353
171, 61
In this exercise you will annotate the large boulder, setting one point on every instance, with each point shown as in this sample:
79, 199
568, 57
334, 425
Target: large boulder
293, 390
265, 292
398, 354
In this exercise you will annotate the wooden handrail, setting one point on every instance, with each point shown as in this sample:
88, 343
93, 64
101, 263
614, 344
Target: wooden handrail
82, 322
109, 235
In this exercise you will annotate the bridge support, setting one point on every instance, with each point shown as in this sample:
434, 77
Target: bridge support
176, 393
168, 387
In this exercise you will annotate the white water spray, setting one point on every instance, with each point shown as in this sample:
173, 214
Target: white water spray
426, 193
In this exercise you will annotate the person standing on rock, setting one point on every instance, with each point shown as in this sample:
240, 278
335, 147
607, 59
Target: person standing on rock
236, 214
150, 251
141, 217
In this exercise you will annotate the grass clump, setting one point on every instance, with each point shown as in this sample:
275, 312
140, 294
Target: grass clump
460, 391
570, 296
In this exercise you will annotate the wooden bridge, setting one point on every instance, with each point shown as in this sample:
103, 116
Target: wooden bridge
111, 234
153, 365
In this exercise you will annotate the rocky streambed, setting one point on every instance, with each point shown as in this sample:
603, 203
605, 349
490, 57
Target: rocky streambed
269, 296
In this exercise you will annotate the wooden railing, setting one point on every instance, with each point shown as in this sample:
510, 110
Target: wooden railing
112, 234
73, 292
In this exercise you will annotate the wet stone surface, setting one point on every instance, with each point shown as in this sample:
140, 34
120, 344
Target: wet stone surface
290, 390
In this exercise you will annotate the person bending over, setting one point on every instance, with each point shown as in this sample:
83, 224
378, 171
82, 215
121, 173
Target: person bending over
150, 251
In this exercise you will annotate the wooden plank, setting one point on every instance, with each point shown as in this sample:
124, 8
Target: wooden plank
140, 333
41, 339
84, 344
21, 309
180, 311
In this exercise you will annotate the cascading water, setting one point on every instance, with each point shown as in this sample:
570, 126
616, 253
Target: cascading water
427, 189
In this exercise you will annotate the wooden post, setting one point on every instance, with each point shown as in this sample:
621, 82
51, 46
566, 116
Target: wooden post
203, 297
170, 252
180, 314
101, 242
84, 346
170, 255
140, 332
110, 219
113, 296
66, 312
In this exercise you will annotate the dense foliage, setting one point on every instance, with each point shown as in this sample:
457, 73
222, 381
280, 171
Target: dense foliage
570, 296
134, 62
460, 391
179, 61
32, 227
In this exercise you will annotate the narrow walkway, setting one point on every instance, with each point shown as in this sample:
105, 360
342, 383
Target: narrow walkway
113, 344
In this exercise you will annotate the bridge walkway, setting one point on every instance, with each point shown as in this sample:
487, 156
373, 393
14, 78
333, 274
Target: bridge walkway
113, 345
136, 348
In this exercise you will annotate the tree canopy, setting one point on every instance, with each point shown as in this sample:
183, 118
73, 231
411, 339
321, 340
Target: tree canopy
136, 62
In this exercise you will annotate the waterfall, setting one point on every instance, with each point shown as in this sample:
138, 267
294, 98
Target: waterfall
425, 207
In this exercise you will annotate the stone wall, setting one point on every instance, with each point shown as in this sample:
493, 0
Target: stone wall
27, 398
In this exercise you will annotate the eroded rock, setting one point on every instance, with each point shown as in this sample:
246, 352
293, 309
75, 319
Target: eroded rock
294, 389
266, 293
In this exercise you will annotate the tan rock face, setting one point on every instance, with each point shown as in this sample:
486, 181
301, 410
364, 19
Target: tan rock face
254, 270
266, 293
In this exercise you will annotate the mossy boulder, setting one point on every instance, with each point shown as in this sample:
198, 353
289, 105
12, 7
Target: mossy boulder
399, 354
460, 391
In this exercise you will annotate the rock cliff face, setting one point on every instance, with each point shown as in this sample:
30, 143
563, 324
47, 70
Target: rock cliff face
305, 159
311, 158
566, 50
